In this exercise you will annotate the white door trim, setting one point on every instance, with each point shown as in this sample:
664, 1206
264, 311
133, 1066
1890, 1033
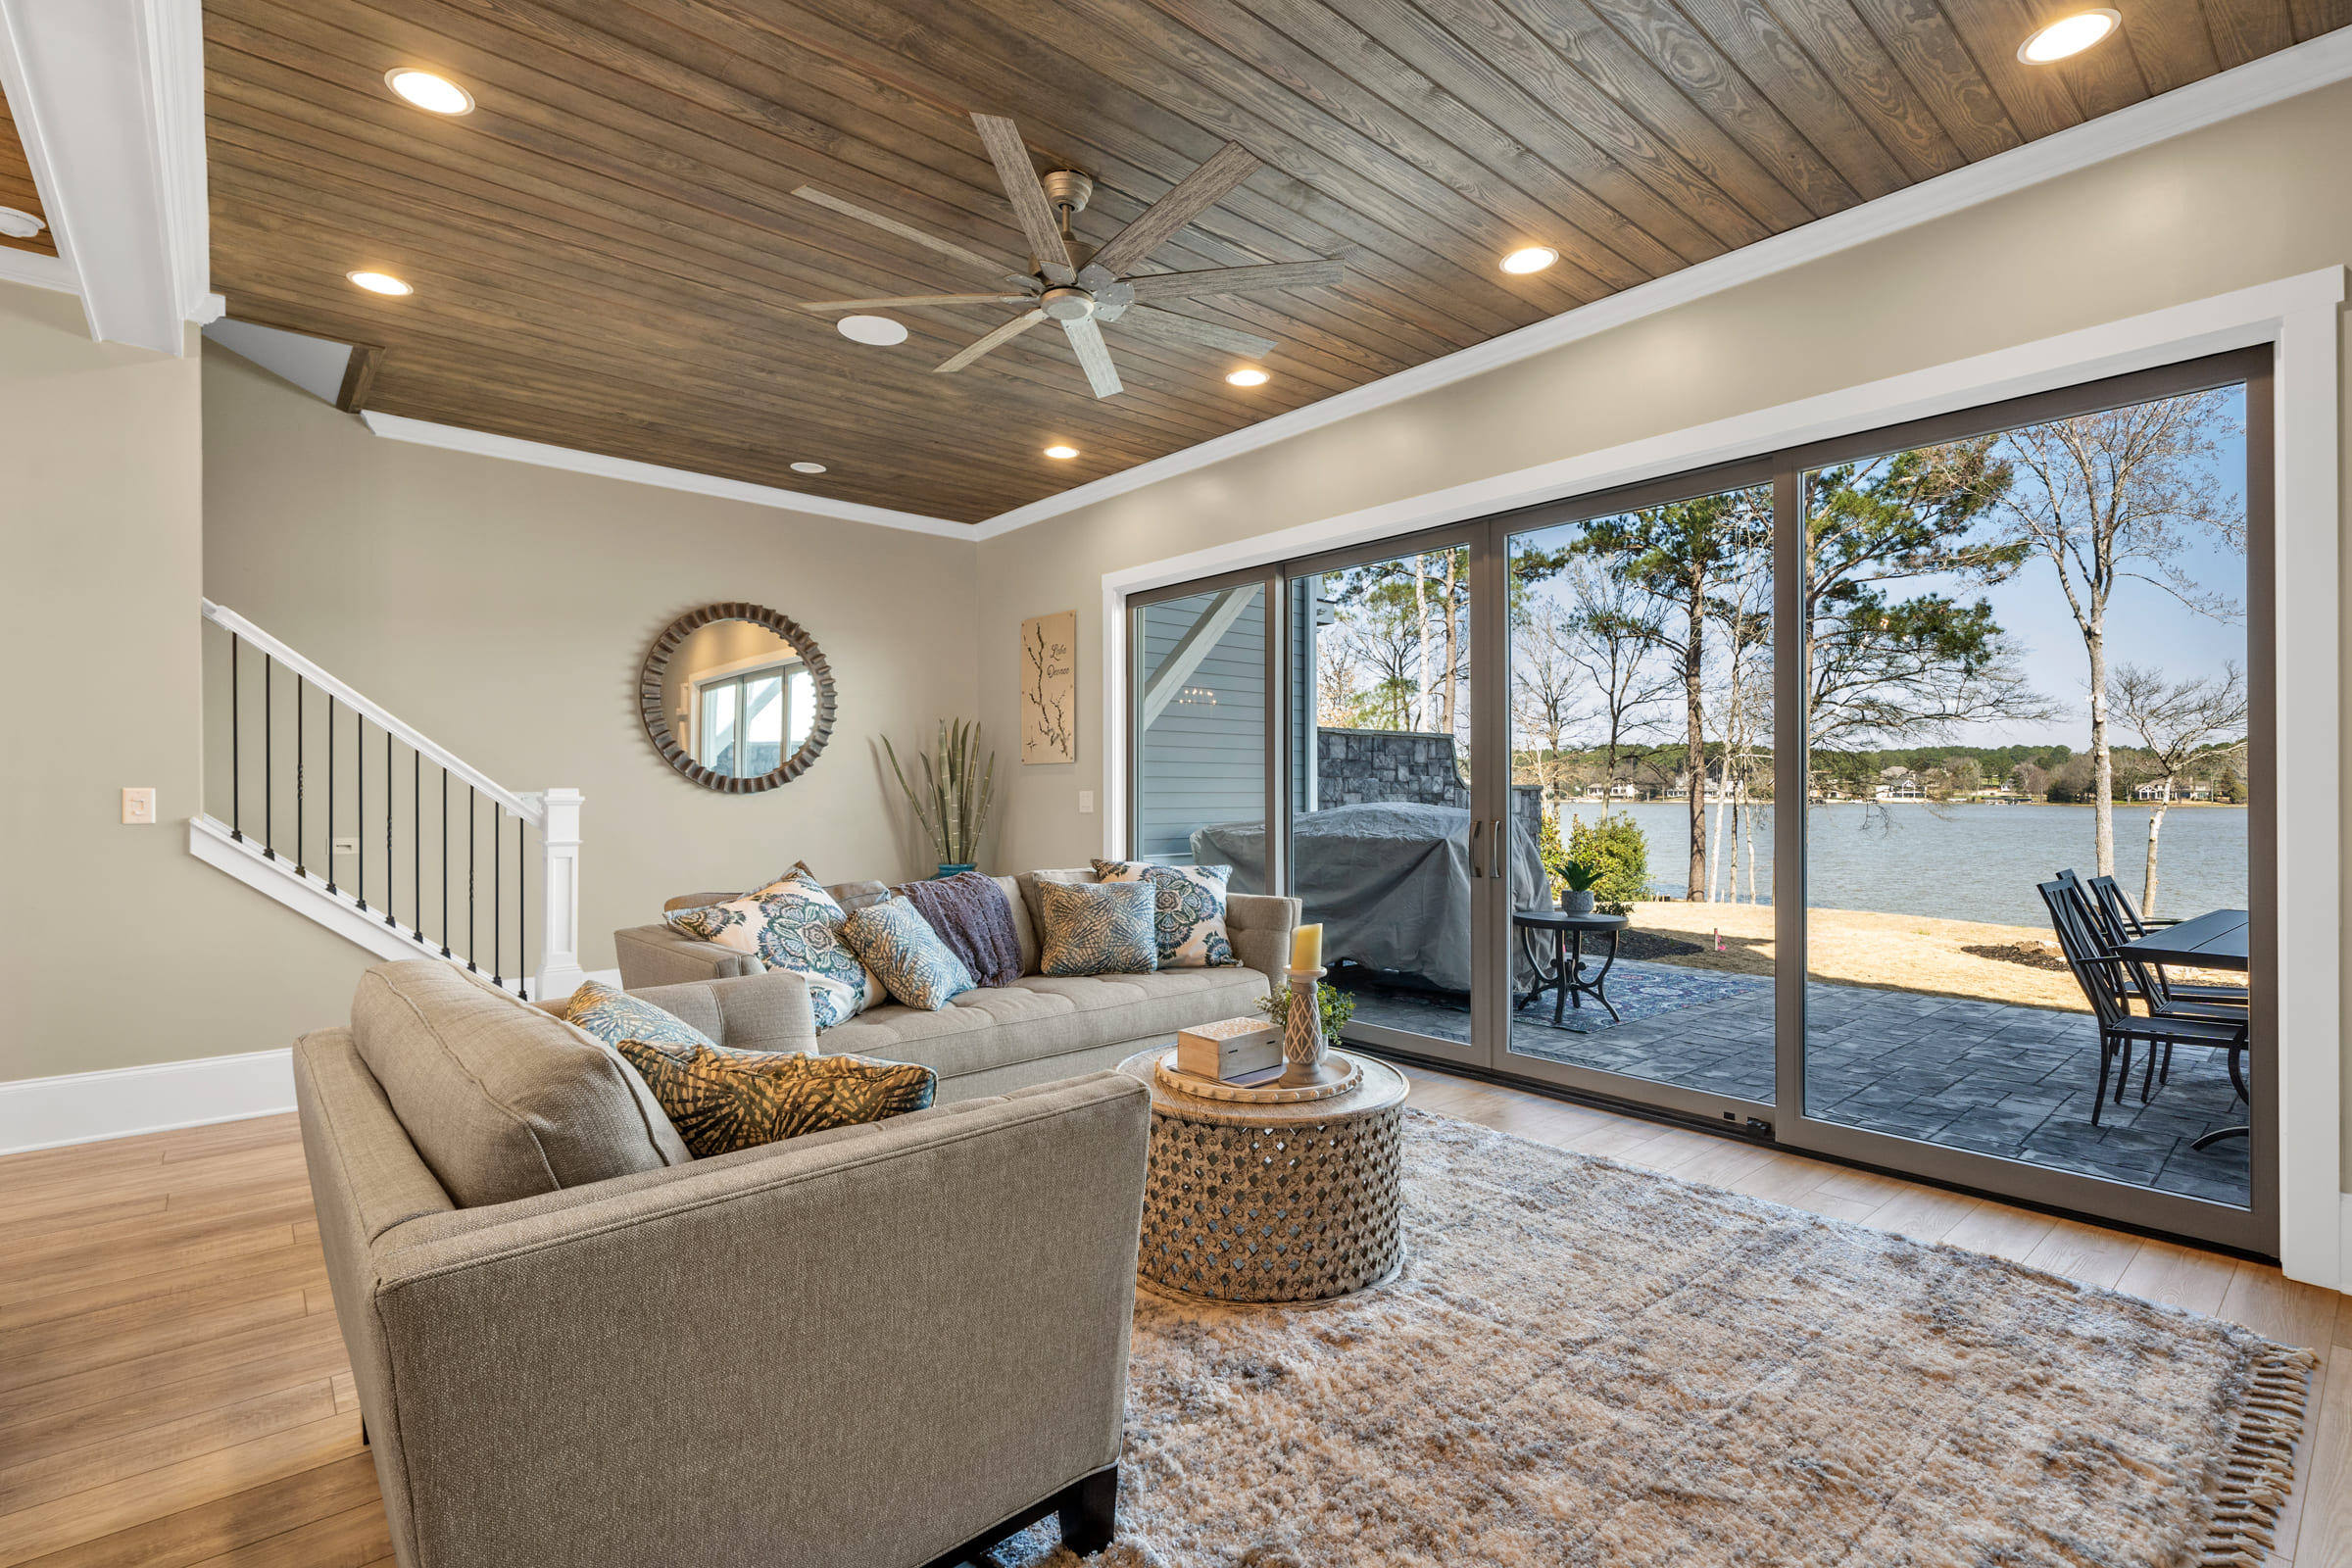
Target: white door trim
2299, 314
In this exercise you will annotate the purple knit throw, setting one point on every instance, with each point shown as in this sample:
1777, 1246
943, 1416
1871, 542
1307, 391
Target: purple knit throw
974, 918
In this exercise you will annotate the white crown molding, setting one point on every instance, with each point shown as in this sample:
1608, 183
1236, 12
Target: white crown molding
36, 270
108, 97
120, 1102
453, 438
2256, 85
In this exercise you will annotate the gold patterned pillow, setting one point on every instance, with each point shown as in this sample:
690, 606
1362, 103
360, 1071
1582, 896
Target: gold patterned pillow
722, 1101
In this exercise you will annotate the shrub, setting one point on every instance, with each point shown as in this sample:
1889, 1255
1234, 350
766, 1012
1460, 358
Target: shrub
1615, 848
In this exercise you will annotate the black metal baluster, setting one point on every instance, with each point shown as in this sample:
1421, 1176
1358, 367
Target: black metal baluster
416, 834
269, 757
236, 734
330, 792
498, 930
391, 866
445, 863
300, 869
474, 812
359, 806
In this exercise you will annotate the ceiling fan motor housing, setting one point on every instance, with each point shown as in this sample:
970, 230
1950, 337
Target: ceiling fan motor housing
1066, 187
1066, 303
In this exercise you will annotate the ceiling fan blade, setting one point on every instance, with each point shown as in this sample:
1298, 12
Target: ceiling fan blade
996, 339
892, 225
917, 299
1168, 327
1193, 195
1006, 149
1236, 279
1094, 356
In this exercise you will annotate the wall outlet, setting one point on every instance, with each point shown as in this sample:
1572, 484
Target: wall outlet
1086, 803
138, 807
347, 845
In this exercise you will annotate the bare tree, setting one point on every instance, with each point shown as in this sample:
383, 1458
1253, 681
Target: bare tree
1612, 634
2116, 495
1548, 688
2201, 719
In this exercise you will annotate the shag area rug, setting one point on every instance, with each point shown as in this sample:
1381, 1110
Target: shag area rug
1584, 1363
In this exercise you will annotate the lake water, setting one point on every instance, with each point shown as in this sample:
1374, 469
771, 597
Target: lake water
1969, 863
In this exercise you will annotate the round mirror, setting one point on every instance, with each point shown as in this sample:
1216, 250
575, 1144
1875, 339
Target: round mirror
737, 698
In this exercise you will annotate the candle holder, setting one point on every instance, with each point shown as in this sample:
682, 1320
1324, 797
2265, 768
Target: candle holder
1304, 1049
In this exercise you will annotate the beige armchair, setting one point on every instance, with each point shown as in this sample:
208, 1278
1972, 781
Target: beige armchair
873, 1348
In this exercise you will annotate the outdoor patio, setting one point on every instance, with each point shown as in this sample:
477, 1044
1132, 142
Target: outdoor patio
1992, 1077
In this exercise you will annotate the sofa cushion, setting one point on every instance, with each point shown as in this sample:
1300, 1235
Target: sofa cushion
1028, 883
1039, 1016
723, 1101
1024, 923
615, 1015
1104, 929
501, 1100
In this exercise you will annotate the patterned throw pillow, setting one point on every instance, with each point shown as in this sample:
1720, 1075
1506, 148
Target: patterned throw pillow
1099, 927
708, 920
796, 926
898, 944
723, 1101
613, 1015
1189, 921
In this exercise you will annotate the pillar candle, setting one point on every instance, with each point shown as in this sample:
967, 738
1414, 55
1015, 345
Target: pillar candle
1307, 948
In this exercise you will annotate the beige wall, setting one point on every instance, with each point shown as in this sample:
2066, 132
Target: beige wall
116, 947
2253, 199
504, 609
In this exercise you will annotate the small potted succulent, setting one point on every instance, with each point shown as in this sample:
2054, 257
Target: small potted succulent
1576, 895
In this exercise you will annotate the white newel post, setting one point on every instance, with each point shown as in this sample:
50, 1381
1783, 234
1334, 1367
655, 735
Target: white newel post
559, 972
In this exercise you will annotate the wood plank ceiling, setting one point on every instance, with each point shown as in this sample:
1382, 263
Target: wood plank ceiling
17, 187
607, 251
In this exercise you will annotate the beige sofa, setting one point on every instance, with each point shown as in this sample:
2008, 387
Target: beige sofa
1041, 1028
577, 1347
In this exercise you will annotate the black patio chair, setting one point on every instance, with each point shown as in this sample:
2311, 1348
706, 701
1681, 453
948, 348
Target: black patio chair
2123, 918
2100, 974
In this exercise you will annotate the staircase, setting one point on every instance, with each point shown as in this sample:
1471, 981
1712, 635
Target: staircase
344, 814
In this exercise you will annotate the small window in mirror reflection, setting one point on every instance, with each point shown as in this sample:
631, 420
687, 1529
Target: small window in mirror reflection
748, 722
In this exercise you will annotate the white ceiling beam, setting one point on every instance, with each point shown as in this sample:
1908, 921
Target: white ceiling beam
108, 97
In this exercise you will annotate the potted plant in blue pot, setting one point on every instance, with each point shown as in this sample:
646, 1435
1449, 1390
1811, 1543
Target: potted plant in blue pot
957, 788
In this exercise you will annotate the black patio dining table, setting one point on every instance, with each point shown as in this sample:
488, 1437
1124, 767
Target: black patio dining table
2214, 940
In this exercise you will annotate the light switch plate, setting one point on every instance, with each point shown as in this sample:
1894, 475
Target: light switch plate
1086, 803
138, 807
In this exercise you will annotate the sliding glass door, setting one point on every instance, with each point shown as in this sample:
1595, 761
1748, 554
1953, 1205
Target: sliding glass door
1904, 798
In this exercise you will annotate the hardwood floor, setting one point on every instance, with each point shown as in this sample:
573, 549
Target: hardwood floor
173, 1393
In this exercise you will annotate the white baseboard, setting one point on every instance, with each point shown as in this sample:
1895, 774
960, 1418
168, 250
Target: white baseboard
83, 1107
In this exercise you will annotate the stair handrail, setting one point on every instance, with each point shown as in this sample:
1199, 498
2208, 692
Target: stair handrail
530, 805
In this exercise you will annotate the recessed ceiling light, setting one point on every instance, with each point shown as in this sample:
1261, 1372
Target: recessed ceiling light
2069, 35
1529, 259
1061, 452
379, 282
428, 92
1248, 375
880, 331
808, 467
17, 223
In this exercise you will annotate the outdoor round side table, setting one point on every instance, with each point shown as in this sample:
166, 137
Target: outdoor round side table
1565, 978
1280, 1202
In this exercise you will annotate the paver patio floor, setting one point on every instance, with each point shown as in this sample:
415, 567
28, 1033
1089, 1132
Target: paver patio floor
1992, 1077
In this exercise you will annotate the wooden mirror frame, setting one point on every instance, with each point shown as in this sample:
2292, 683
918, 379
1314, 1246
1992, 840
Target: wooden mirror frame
657, 721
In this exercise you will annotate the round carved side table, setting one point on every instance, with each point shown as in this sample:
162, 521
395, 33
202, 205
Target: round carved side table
1273, 1203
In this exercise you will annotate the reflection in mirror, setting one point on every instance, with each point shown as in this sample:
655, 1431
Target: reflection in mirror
739, 698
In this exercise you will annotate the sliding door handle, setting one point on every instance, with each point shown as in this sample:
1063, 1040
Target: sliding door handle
1502, 847
1478, 846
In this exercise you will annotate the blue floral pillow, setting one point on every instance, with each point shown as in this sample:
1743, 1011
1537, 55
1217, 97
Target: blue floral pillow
794, 924
1099, 927
1189, 916
898, 944
613, 1015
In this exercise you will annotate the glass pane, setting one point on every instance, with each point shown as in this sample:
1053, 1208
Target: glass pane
1200, 722
1641, 757
762, 725
719, 711
1381, 834
804, 708
1964, 603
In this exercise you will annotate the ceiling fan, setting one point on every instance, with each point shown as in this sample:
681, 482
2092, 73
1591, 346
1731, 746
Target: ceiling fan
1083, 288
